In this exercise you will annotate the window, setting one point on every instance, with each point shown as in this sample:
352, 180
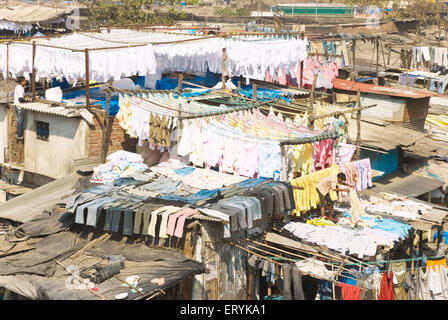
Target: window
42, 130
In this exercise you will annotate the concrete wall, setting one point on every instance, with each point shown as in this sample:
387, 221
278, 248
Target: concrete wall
67, 141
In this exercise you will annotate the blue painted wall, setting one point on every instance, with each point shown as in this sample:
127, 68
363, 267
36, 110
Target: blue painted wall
382, 162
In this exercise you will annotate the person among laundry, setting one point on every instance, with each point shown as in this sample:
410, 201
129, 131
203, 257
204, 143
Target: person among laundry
324, 187
340, 124
19, 97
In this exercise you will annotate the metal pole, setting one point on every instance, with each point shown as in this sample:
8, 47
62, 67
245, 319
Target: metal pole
33, 74
87, 78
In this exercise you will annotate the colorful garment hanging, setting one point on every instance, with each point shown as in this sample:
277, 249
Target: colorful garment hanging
360, 171
244, 143
323, 154
309, 198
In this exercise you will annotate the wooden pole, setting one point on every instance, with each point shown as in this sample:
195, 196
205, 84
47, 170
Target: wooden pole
87, 77
354, 55
358, 127
377, 42
180, 77
254, 91
301, 74
420, 243
224, 71
250, 285
105, 127
33, 74
7, 74
311, 108
388, 58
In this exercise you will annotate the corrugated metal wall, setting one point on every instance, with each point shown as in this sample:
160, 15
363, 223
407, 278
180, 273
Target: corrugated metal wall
409, 113
388, 108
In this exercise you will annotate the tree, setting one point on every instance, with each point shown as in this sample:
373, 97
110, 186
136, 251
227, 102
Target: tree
130, 12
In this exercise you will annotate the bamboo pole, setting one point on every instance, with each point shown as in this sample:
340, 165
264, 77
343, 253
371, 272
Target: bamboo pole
358, 126
33, 74
377, 42
311, 105
86, 52
291, 260
180, 77
105, 127
276, 262
322, 254
7, 73
224, 71
254, 91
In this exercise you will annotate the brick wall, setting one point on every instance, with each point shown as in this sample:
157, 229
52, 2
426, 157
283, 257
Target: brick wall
116, 138
16, 148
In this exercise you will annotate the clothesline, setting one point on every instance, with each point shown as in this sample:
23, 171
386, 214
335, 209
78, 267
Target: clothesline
339, 112
399, 260
317, 138
323, 255
305, 273
211, 114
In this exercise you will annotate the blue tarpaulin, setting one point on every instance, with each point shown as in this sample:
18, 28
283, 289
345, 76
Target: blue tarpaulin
210, 80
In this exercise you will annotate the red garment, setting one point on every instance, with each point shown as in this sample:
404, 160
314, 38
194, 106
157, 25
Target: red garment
387, 287
350, 292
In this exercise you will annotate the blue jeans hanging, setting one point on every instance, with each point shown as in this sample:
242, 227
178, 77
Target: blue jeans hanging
20, 116
432, 86
442, 86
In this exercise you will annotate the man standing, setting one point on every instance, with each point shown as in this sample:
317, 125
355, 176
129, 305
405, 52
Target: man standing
19, 97
324, 187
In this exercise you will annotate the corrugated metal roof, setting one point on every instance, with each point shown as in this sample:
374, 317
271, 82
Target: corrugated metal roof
51, 109
200, 216
30, 13
87, 164
405, 184
381, 90
386, 137
33, 203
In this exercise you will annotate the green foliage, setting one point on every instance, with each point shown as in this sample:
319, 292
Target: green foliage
229, 12
131, 12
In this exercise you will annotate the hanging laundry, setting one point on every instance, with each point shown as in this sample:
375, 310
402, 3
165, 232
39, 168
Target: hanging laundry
322, 154
309, 198
344, 153
357, 209
400, 273
387, 289
350, 292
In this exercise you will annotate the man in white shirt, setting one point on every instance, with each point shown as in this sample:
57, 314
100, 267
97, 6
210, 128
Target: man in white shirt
324, 187
19, 97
